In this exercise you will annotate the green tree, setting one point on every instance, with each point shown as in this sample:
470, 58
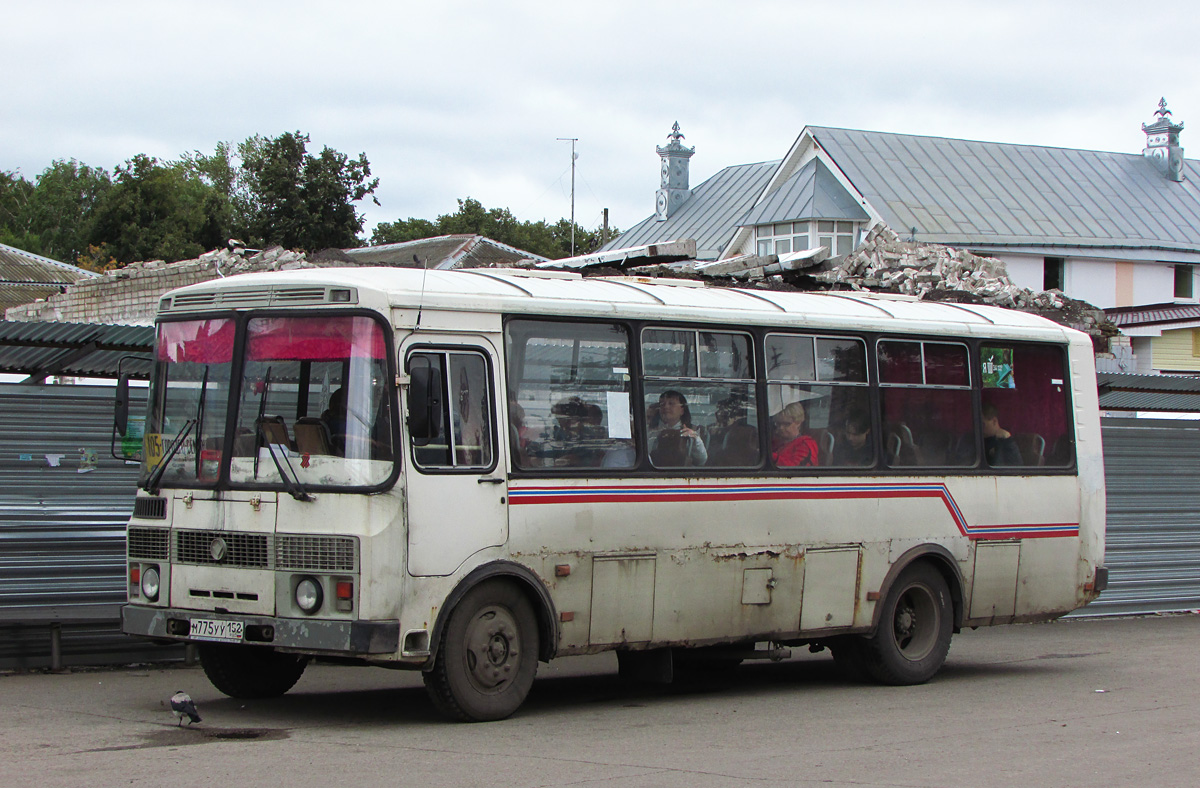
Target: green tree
301, 201
15, 192
61, 206
403, 230
158, 211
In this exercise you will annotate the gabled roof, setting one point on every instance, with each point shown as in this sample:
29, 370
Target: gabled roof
963, 192
26, 277
709, 214
443, 252
985, 195
811, 193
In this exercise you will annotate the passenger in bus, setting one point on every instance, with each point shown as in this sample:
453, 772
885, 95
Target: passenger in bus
855, 447
998, 444
334, 417
673, 438
791, 448
732, 440
577, 425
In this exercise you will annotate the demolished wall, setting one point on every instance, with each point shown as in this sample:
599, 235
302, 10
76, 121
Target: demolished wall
131, 294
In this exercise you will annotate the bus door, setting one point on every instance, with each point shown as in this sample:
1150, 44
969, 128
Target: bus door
455, 473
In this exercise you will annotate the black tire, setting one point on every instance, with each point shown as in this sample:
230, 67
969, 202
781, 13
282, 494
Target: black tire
487, 657
250, 671
848, 657
915, 626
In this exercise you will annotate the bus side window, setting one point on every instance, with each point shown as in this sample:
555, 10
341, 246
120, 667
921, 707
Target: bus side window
568, 397
819, 402
1025, 408
699, 399
927, 410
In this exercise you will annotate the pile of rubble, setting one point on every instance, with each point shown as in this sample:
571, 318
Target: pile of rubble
885, 262
235, 261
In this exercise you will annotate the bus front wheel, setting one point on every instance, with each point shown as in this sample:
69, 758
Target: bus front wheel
488, 655
915, 626
250, 671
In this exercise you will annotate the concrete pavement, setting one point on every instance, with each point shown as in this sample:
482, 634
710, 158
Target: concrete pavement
1106, 702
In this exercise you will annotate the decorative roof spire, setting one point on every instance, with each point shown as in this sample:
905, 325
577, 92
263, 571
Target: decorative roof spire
676, 143
1161, 122
1162, 142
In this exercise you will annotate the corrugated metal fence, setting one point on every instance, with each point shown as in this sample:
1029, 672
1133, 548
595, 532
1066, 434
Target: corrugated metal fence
62, 524
1152, 470
64, 502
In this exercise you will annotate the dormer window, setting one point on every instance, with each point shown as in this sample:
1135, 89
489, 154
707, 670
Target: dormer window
782, 238
786, 237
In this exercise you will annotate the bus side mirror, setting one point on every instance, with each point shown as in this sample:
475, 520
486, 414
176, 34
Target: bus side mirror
121, 411
127, 432
424, 403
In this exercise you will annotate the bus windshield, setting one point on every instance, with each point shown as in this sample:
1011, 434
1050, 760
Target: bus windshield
312, 408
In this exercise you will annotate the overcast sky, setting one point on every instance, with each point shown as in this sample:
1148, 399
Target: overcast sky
454, 99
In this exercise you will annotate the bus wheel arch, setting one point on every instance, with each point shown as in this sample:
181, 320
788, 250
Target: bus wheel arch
522, 578
943, 562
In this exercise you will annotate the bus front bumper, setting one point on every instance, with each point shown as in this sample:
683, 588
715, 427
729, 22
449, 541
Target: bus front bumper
346, 638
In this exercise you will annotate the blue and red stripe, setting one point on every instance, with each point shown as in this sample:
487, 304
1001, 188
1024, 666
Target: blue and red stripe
666, 493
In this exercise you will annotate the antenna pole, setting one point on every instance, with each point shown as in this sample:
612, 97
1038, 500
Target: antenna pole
572, 140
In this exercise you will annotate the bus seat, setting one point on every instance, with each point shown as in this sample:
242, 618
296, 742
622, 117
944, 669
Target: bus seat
312, 436
901, 449
1033, 448
826, 442
274, 430
738, 447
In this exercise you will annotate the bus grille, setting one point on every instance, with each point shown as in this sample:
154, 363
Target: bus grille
151, 543
150, 508
315, 553
248, 550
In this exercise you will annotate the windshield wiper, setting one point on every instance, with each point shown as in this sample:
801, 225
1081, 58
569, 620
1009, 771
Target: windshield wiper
294, 486
156, 473
292, 483
199, 420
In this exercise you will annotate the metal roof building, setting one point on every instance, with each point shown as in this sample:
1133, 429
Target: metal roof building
443, 252
26, 277
981, 195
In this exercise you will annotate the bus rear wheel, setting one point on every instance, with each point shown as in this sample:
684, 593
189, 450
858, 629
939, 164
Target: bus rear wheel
488, 655
250, 671
914, 632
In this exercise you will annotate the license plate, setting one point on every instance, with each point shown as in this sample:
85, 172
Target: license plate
220, 631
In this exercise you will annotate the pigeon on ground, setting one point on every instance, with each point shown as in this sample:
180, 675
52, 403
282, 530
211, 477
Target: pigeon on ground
182, 706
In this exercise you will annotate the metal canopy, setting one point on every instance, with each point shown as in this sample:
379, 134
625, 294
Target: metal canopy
82, 349
1166, 393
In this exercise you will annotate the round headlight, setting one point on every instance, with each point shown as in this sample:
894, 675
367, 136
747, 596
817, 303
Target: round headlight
150, 583
308, 595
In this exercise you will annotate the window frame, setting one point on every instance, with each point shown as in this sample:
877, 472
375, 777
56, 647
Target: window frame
446, 351
241, 320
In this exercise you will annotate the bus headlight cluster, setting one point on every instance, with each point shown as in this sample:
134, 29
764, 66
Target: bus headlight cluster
309, 595
150, 583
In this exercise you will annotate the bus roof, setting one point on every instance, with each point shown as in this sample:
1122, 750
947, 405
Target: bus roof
519, 291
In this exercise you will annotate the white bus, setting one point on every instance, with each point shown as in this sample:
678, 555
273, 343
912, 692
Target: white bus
466, 473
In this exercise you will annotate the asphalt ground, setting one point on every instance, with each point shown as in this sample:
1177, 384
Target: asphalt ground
1084, 702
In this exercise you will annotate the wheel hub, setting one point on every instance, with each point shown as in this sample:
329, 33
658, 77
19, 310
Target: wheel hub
493, 649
